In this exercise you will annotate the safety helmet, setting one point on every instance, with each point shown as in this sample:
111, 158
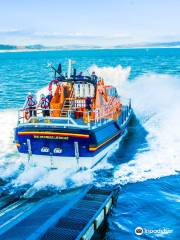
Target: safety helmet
30, 94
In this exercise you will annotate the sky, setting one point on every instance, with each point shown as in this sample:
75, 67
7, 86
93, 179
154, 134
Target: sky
88, 22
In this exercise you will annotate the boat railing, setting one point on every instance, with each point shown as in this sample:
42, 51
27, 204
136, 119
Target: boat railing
77, 119
72, 118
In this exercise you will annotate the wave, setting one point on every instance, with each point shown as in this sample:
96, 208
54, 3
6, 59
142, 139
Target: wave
156, 102
9, 158
8, 120
112, 75
155, 99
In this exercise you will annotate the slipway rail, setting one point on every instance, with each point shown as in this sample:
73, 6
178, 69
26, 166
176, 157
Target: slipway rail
73, 215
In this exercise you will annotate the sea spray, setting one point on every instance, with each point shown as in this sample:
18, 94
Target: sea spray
10, 161
156, 100
8, 120
118, 75
115, 76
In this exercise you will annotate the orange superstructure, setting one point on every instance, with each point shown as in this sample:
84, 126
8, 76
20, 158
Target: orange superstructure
83, 98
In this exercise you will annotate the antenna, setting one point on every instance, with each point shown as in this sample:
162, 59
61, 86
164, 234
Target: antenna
69, 68
74, 73
70, 63
59, 70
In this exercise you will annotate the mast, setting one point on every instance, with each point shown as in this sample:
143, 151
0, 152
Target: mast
69, 68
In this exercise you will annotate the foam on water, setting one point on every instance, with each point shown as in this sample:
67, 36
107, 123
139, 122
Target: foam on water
9, 157
30, 175
112, 75
8, 120
62, 179
155, 99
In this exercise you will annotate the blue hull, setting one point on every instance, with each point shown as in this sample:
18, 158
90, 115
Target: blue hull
59, 142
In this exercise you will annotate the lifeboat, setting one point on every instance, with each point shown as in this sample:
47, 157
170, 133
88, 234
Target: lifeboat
87, 119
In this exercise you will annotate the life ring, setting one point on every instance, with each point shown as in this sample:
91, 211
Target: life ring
26, 115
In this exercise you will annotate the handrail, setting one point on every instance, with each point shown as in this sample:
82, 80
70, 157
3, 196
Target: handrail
86, 118
99, 116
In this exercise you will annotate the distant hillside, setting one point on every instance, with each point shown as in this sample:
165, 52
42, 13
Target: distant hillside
166, 44
150, 44
7, 47
14, 47
36, 46
42, 47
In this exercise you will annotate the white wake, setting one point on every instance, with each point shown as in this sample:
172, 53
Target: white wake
155, 99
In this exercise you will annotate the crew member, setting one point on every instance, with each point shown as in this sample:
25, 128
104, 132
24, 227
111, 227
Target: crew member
88, 103
30, 105
80, 76
49, 97
94, 77
44, 105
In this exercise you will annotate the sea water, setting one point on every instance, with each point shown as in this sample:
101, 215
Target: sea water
146, 165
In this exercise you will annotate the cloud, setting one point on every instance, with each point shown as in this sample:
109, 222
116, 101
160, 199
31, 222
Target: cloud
24, 37
68, 35
60, 35
12, 31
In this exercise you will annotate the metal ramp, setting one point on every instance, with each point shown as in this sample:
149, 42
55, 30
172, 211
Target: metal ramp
86, 216
75, 214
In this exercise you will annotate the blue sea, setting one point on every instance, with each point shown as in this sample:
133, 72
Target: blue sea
145, 166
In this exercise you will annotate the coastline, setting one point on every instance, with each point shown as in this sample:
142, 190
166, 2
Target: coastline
83, 49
